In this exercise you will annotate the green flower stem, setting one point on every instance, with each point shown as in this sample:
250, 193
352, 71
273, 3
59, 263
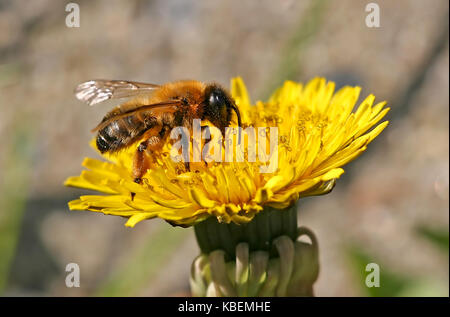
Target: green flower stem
259, 233
261, 258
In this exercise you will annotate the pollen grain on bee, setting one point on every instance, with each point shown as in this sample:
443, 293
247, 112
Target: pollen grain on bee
235, 148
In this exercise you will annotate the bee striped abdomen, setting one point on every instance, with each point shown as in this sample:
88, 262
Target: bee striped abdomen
121, 132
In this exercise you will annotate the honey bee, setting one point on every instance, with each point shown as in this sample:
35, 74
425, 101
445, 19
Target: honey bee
152, 112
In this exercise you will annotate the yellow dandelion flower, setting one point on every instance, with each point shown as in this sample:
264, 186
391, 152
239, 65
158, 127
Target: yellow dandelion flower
318, 133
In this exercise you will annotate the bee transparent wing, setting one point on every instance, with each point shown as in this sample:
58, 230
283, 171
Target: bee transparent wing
95, 91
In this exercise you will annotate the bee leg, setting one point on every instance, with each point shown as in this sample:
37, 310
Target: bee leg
203, 127
187, 166
140, 162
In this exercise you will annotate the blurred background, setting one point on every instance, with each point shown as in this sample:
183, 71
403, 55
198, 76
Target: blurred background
390, 207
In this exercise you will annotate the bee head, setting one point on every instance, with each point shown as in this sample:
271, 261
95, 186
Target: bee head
219, 106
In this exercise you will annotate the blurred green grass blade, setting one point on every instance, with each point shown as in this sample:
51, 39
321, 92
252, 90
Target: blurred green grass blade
438, 237
289, 67
10, 220
391, 284
13, 195
145, 264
